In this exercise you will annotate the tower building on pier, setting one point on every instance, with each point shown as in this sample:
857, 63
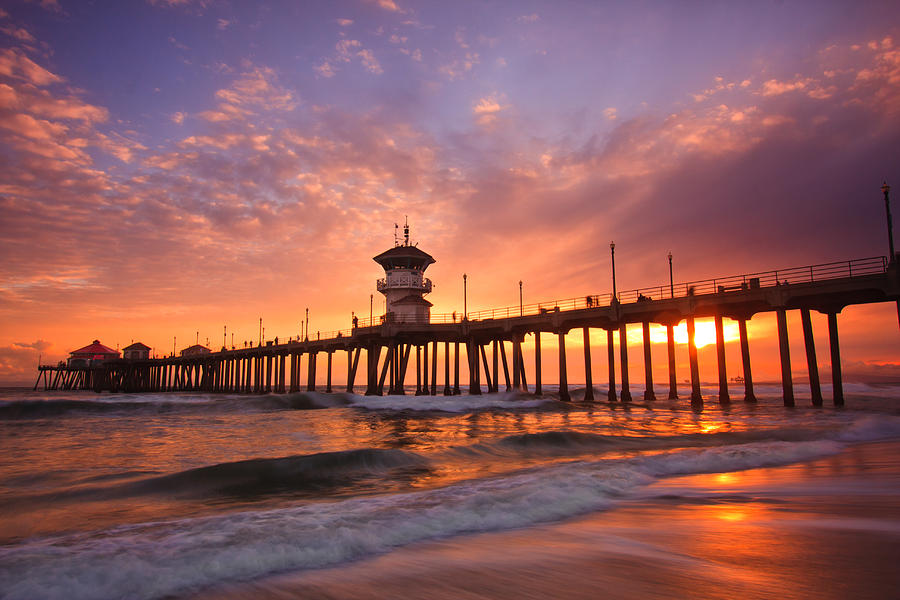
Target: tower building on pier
404, 284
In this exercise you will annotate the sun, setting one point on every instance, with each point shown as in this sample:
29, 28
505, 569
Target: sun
704, 333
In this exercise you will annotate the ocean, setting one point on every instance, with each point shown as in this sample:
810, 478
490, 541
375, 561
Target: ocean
307, 495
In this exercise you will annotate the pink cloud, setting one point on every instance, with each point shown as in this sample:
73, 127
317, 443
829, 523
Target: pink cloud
18, 33
14, 63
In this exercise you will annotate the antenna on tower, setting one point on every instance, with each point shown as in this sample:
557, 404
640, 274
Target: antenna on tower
396, 234
405, 230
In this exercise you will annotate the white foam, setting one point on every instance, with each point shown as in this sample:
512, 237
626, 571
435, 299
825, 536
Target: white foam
455, 404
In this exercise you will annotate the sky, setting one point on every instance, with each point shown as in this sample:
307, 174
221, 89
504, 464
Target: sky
175, 170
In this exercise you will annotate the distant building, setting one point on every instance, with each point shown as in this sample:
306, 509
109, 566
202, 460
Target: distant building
195, 350
136, 351
405, 285
90, 355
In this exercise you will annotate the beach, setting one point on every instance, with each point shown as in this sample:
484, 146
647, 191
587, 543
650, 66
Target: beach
826, 529
310, 495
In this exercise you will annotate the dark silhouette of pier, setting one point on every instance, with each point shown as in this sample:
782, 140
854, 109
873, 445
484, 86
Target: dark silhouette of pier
391, 346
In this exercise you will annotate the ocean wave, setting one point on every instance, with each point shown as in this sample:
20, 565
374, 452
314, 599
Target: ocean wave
169, 403
160, 559
451, 404
267, 475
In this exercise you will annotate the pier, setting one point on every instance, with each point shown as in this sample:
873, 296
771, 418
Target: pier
381, 351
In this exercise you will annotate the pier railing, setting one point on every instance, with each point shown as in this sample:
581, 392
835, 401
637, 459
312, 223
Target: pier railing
847, 269
763, 279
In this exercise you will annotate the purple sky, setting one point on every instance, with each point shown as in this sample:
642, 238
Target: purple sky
170, 167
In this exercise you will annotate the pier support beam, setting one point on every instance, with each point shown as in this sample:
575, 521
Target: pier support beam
474, 368
670, 347
425, 368
456, 390
749, 396
418, 370
447, 389
812, 364
538, 390
311, 372
505, 366
352, 364
487, 368
563, 379
328, 376
784, 348
611, 362
434, 353
495, 359
515, 365
724, 398
623, 354
836, 379
588, 375
696, 396
648, 364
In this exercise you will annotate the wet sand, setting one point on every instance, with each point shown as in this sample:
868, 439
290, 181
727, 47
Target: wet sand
827, 529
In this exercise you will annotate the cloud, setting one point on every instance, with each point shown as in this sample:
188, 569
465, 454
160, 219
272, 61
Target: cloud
347, 51
265, 199
486, 109
388, 5
223, 24
14, 63
253, 91
525, 19
18, 33
19, 360
345, 22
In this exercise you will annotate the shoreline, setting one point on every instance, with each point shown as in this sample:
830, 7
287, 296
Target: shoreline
820, 529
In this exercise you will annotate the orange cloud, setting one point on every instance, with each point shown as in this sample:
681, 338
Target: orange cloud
14, 63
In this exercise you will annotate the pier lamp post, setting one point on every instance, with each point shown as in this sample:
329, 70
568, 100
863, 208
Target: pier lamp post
260, 331
371, 304
671, 280
521, 307
224, 336
306, 337
465, 305
612, 253
887, 207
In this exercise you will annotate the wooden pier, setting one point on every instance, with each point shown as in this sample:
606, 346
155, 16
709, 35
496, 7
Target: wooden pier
389, 349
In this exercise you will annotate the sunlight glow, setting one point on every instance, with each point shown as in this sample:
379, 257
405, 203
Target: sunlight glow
705, 333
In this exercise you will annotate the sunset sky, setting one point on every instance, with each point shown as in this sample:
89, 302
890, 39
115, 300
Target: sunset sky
172, 167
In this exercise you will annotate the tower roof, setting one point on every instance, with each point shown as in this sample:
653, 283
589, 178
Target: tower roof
95, 348
404, 257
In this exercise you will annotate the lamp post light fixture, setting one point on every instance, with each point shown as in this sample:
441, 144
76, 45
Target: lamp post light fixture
465, 304
671, 280
521, 306
612, 253
890, 226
